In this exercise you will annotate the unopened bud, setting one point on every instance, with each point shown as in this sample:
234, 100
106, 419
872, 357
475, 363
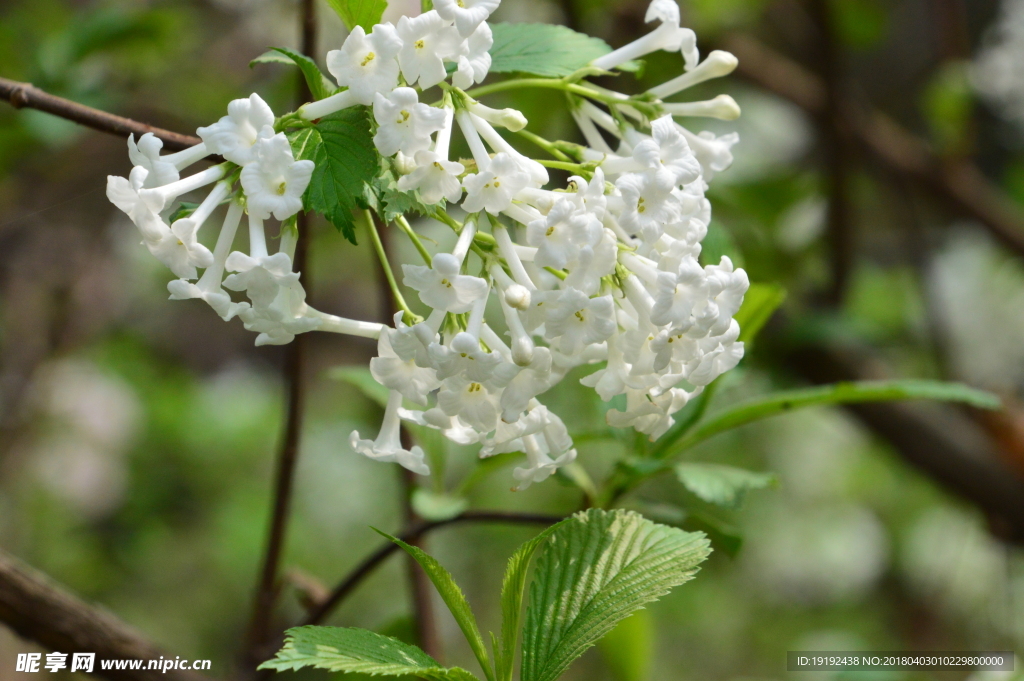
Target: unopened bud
518, 297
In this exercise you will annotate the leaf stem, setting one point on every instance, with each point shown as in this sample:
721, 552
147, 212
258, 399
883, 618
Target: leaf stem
544, 144
371, 228
404, 225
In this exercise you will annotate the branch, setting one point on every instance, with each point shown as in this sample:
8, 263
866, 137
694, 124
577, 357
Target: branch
26, 95
39, 610
373, 561
960, 184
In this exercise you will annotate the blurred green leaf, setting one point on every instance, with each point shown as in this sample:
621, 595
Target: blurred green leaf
512, 587
365, 13
184, 209
599, 567
837, 393
453, 597
759, 304
431, 505
629, 648
542, 49
318, 83
860, 23
722, 485
341, 649
948, 104
360, 378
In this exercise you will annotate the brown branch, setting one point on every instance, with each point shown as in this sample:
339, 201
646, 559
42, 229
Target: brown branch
39, 610
284, 480
26, 95
373, 561
959, 184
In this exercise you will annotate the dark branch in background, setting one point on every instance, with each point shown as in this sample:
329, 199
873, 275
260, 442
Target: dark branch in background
269, 585
958, 184
39, 610
374, 560
25, 95
836, 150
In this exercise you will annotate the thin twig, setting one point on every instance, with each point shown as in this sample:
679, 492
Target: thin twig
347, 585
284, 482
26, 95
39, 610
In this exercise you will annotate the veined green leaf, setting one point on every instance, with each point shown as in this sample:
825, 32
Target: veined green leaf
365, 13
722, 485
599, 567
836, 393
453, 597
759, 304
512, 587
357, 650
542, 49
346, 161
318, 83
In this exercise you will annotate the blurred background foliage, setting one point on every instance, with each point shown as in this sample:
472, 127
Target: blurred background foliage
137, 435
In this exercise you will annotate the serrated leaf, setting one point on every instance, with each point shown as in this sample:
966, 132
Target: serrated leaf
836, 393
318, 83
453, 597
365, 13
360, 378
759, 304
542, 49
722, 485
341, 649
512, 587
346, 161
599, 567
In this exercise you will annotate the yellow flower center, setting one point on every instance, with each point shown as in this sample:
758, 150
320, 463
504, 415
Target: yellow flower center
419, 44
579, 315
475, 388
446, 283
640, 207
368, 58
281, 188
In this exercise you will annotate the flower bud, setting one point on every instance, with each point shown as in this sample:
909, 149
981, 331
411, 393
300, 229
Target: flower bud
518, 297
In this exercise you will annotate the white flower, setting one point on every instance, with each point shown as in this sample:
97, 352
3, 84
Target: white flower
492, 188
464, 357
593, 262
472, 401
534, 379
405, 123
728, 287
474, 57
667, 154
577, 321
679, 293
648, 413
560, 234
451, 427
234, 135
367, 64
668, 36
427, 40
554, 441
388, 445
402, 375
274, 184
648, 205
714, 153
467, 14
269, 282
435, 178
442, 287
147, 154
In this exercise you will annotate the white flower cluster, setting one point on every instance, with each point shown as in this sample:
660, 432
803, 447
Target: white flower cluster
997, 71
605, 270
272, 183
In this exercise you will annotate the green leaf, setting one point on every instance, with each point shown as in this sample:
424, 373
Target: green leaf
599, 568
542, 49
759, 304
437, 506
346, 161
185, 209
360, 378
365, 13
357, 650
629, 648
318, 83
512, 587
722, 485
453, 597
836, 393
